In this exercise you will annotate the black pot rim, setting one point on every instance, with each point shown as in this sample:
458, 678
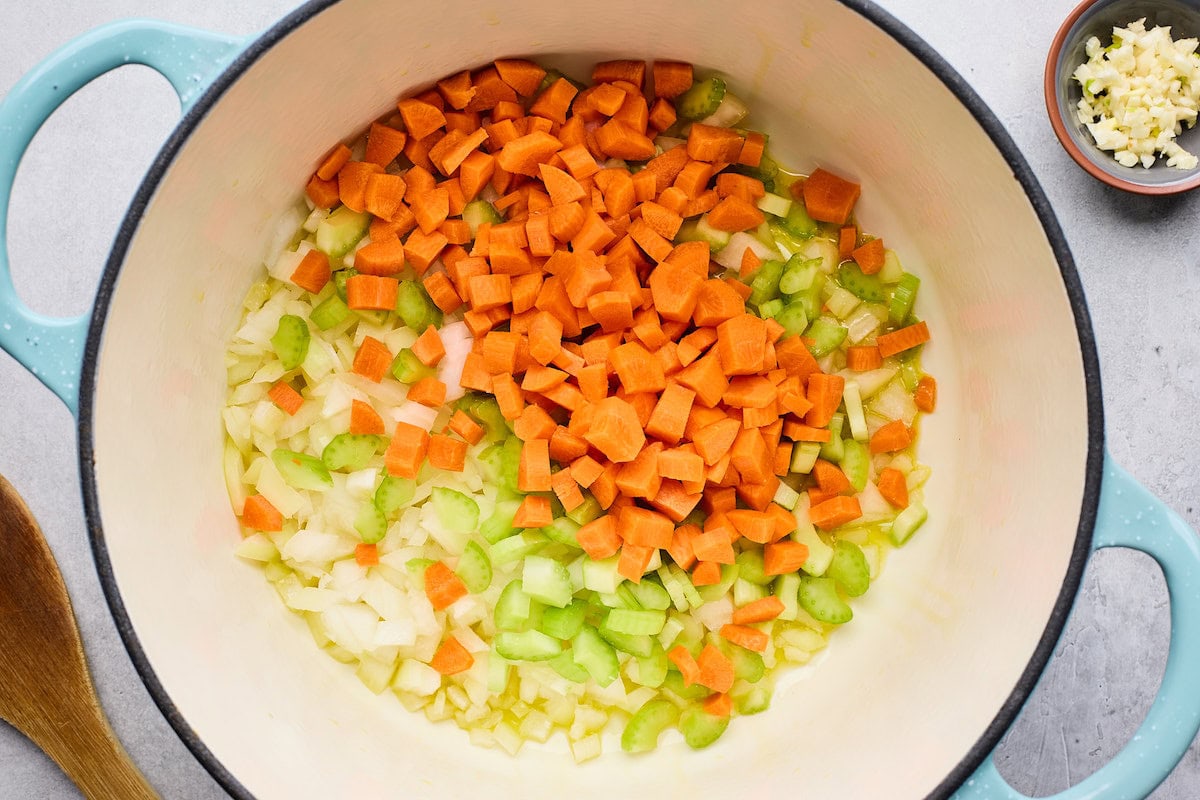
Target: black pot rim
1025, 685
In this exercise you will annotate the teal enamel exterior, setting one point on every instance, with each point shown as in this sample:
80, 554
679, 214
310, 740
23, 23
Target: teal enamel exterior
52, 348
1129, 516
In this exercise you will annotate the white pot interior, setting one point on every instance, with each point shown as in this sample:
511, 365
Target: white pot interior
937, 645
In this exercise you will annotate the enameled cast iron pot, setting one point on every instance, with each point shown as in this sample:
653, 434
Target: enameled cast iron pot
909, 700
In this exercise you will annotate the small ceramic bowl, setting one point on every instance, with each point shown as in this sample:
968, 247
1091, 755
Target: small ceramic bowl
1098, 18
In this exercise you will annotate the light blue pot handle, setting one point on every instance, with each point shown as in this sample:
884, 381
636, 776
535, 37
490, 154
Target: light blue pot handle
1130, 516
52, 348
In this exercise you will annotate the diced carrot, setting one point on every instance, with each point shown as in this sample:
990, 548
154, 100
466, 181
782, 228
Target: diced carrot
428, 347
333, 162
903, 339
462, 424
324, 194
565, 446
490, 90
752, 149
714, 546
676, 291
783, 558
706, 378
662, 115
421, 118
451, 658
366, 555
611, 309
645, 528
831, 478
745, 636
795, 358
863, 357
668, 420
615, 430
764, 610
352, 183
442, 586
827, 197
925, 395
522, 155
633, 561
372, 359
567, 490
421, 249
640, 477
783, 459
523, 76
312, 273
683, 660
741, 344
712, 144
508, 395
533, 470
891, 437
428, 392
749, 265
554, 101
539, 379
893, 486
364, 419
719, 704
474, 172
757, 526
534, 512
475, 374
671, 78
407, 450
599, 538
825, 393
750, 391
847, 241
618, 140
258, 513
585, 470
446, 452
636, 369
706, 573
716, 670
287, 398
869, 256
715, 440
457, 90
382, 258
758, 495
832, 513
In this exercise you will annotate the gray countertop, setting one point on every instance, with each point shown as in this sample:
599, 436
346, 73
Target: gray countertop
1138, 259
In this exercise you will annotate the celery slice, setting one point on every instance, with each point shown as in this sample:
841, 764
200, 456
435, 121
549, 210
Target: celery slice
302, 471
528, 645
863, 286
804, 456
699, 728
547, 580
652, 669
416, 570
650, 594
564, 664
291, 341
750, 567
786, 588
513, 608
564, 623
514, 548
499, 525
849, 568
635, 645
819, 597
674, 683
350, 451
642, 731
393, 495
833, 449
634, 622
826, 334
746, 592
751, 699
585, 512
903, 297
370, 523
407, 368
330, 313
747, 664
907, 522
415, 308
602, 576
702, 99
856, 463
729, 574
562, 530
341, 230
798, 223
475, 568
455, 510
478, 212
595, 655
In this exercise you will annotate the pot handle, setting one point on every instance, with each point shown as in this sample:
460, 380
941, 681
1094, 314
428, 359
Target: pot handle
52, 348
1129, 516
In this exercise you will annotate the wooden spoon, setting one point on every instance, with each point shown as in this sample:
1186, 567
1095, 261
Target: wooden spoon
45, 689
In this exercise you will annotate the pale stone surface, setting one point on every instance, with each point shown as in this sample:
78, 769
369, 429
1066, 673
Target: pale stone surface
1139, 259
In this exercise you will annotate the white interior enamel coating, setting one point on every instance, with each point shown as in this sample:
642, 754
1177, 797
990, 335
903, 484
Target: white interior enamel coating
941, 639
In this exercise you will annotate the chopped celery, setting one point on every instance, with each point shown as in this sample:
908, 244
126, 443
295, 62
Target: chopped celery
486, 411
407, 368
750, 567
747, 664
332, 311
819, 552
729, 574
907, 522
415, 308
301, 471
564, 623
804, 456
394, 493
501, 462
903, 298
602, 576
562, 530
774, 204
833, 449
455, 510
730, 112
799, 274
514, 548
650, 594
751, 699
564, 664
339, 282
652, 669
849, 568
746, 592
479, 212
793, 319
840, 302
634, 622
699, 728
338, 233
475, 568
370, 523
702, 99
527, 646
595, 655
513, 608
698, 230
674, 683
770, 309
640, 645
856, 463
350, 451
798, 223
416, 570
910, 371
624, 597
826, 334
764, 285
499, 525
587, 511
546, 579
497, 672
862, 286
642, 731
852, 398
819, 597
786, 587
291, 341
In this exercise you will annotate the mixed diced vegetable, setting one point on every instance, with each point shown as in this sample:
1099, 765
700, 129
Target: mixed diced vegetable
566, 408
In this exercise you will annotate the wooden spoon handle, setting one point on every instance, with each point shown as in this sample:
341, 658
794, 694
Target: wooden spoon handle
80, 740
